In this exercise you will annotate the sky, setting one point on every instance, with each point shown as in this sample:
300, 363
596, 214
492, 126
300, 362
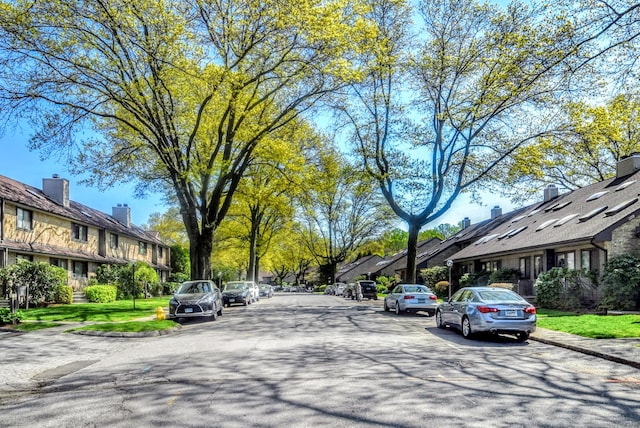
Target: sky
19, 163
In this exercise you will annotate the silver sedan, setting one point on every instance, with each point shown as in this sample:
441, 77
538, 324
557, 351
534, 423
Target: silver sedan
488, 310
411, 298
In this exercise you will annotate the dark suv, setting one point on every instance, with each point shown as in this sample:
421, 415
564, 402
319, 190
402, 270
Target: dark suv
369, 289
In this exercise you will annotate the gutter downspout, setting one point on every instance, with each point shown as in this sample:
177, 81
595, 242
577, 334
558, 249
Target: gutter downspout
604, 250
1, 219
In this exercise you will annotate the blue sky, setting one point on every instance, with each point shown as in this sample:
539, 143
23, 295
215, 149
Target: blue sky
18, 163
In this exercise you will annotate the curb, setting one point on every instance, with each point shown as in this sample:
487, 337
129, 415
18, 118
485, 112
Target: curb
609, 357
151, 333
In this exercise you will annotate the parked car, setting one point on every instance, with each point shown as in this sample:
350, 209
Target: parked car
486, 309
196, 299
340, 288
330, 290
369, 289
266, 290
237, 292
411, 298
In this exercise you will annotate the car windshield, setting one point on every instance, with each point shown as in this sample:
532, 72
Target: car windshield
415, 289
194, 288
264, 287
499, 296
234, 286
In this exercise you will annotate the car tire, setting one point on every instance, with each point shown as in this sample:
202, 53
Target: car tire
220, 310
522, 336
386, 308
439, 322
466, 328
398, 310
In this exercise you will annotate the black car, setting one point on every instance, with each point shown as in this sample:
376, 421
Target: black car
369, 289
236, 292
196, 299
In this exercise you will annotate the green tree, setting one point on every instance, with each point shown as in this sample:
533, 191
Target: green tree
174, 95
434, 122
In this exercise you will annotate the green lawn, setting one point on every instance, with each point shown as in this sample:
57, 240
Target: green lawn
593, 326
121, 310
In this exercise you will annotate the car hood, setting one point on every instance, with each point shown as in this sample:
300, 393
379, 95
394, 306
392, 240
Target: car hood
234, 291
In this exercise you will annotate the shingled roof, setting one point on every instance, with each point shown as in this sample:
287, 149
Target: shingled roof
587, 214
34, 198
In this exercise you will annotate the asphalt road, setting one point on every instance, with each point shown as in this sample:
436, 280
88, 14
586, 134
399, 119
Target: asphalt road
300, 360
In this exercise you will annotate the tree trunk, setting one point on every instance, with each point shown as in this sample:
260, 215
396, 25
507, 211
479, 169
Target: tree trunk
200, 248
412, 249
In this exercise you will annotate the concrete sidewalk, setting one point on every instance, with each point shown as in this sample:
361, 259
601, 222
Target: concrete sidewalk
623, 351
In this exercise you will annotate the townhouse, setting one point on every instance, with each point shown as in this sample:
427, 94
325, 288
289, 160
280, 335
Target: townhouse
44, 225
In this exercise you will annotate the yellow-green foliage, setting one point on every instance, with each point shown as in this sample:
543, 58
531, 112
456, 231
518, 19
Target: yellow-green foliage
101, 293
63, 294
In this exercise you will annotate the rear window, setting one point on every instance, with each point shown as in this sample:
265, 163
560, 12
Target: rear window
499, 296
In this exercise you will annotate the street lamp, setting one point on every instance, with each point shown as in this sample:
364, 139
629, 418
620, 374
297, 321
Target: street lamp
449, 264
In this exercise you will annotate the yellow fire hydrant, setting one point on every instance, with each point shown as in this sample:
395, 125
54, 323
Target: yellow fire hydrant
160, 313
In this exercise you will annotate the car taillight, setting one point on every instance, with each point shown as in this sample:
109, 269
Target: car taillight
487, 309
530, 310
433, 298
408, 297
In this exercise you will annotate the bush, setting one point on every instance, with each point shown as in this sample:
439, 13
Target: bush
41, 278
169, 288
63, 294
559, 288
432, 276
621, 283
504, 275
441, 289
8, 317
475, 279
101, 293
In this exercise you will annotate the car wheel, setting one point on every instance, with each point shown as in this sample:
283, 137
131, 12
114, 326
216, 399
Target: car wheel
398, 310
439, 322
386, 308
466, 328
220, 310
522, 336
375, 297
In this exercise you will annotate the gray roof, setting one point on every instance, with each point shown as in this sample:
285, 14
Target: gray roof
34, 198
587, 214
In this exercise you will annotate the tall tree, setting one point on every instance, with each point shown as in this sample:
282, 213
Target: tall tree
176, 94
594, 139
341, 210
434, 124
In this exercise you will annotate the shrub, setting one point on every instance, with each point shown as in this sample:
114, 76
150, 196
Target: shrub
432, 276
63, 294
41, 278
559, 288
169, 288
441, 289
8, 317
101, 293
621, 283
504, 275
475, 279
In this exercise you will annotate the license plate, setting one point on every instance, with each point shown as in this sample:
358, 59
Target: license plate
188, 310
422, 300
511, 313
232, 300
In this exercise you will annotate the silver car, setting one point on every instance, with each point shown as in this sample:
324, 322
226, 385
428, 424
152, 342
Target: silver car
488, 310
411, 298
196, 299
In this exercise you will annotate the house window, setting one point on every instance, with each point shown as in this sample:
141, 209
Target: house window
525, 267
496, 265
566, 260
24, 219
160, 252
59, 262
79, 232
142, 248
25, 257
113, 241
585, 259
537, 266
80, 269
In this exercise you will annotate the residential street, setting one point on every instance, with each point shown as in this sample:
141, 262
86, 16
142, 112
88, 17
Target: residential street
301, 360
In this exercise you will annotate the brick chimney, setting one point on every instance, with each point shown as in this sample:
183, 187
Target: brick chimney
57, 189
466, 222
496, 211
550, 192
122, 213
628, 165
